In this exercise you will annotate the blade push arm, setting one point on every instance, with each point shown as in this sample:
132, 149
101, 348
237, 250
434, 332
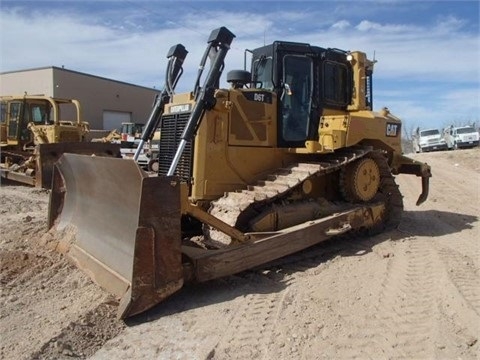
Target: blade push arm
218, 45
176, 56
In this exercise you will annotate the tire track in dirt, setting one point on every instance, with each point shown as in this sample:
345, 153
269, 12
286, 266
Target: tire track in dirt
460, 304
251, 330
460, 252
307, 299
464, 276
301, 271
212, 320
457, 252
400, 324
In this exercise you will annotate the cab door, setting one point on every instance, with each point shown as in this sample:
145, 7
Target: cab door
295, 100
14, 119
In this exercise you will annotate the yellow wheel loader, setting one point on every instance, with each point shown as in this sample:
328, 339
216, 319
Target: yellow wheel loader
34, 133
290, 155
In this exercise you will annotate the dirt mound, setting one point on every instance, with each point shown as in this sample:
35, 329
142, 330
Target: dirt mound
84, 336
43, 296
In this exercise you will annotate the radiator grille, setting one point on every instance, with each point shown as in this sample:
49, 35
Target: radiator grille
171, 131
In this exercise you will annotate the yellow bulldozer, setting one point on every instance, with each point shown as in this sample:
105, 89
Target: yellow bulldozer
34, 133
291, 154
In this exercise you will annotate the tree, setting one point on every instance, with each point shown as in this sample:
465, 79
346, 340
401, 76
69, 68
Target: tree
407, 132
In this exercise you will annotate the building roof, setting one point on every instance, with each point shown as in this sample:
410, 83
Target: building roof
56, 68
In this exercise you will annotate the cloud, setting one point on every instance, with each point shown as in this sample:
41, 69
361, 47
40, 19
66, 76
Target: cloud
341, 25
439, 54
129, 42
366, 25
447, 24
421, 106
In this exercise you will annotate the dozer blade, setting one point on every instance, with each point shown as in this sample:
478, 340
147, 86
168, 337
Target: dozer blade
126, 227
48, 154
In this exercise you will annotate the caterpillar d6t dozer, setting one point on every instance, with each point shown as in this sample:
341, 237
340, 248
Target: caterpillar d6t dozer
291, 154
35, 132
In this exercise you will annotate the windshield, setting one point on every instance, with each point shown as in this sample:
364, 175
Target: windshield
429, 132
466, 130
39, 113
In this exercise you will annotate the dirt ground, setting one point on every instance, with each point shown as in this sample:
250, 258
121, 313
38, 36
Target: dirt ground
411, 293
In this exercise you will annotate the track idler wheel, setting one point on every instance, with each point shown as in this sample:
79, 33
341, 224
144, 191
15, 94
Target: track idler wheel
361, 180
153, 165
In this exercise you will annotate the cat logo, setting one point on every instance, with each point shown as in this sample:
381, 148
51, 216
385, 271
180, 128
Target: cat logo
393, 129
180, 108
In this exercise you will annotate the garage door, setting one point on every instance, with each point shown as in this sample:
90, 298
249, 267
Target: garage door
113, 119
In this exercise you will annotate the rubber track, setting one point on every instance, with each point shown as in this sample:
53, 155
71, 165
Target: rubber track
234, 206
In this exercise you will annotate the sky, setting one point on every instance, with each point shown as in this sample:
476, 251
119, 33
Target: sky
428, 52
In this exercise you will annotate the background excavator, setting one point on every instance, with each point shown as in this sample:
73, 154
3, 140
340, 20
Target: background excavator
35, 132
290, 155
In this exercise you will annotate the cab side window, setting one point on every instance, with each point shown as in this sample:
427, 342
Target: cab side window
335, 84
15, 109
3, 113
263, 73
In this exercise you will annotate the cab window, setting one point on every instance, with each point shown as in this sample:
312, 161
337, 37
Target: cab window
3, 113
262, 73
37, 115
15, 109
296, 98
335, 84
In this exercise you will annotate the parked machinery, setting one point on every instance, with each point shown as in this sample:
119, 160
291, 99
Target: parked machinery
34, 133
290, 155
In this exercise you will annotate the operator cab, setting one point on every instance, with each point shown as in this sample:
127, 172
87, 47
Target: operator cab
17, 113
307, 80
